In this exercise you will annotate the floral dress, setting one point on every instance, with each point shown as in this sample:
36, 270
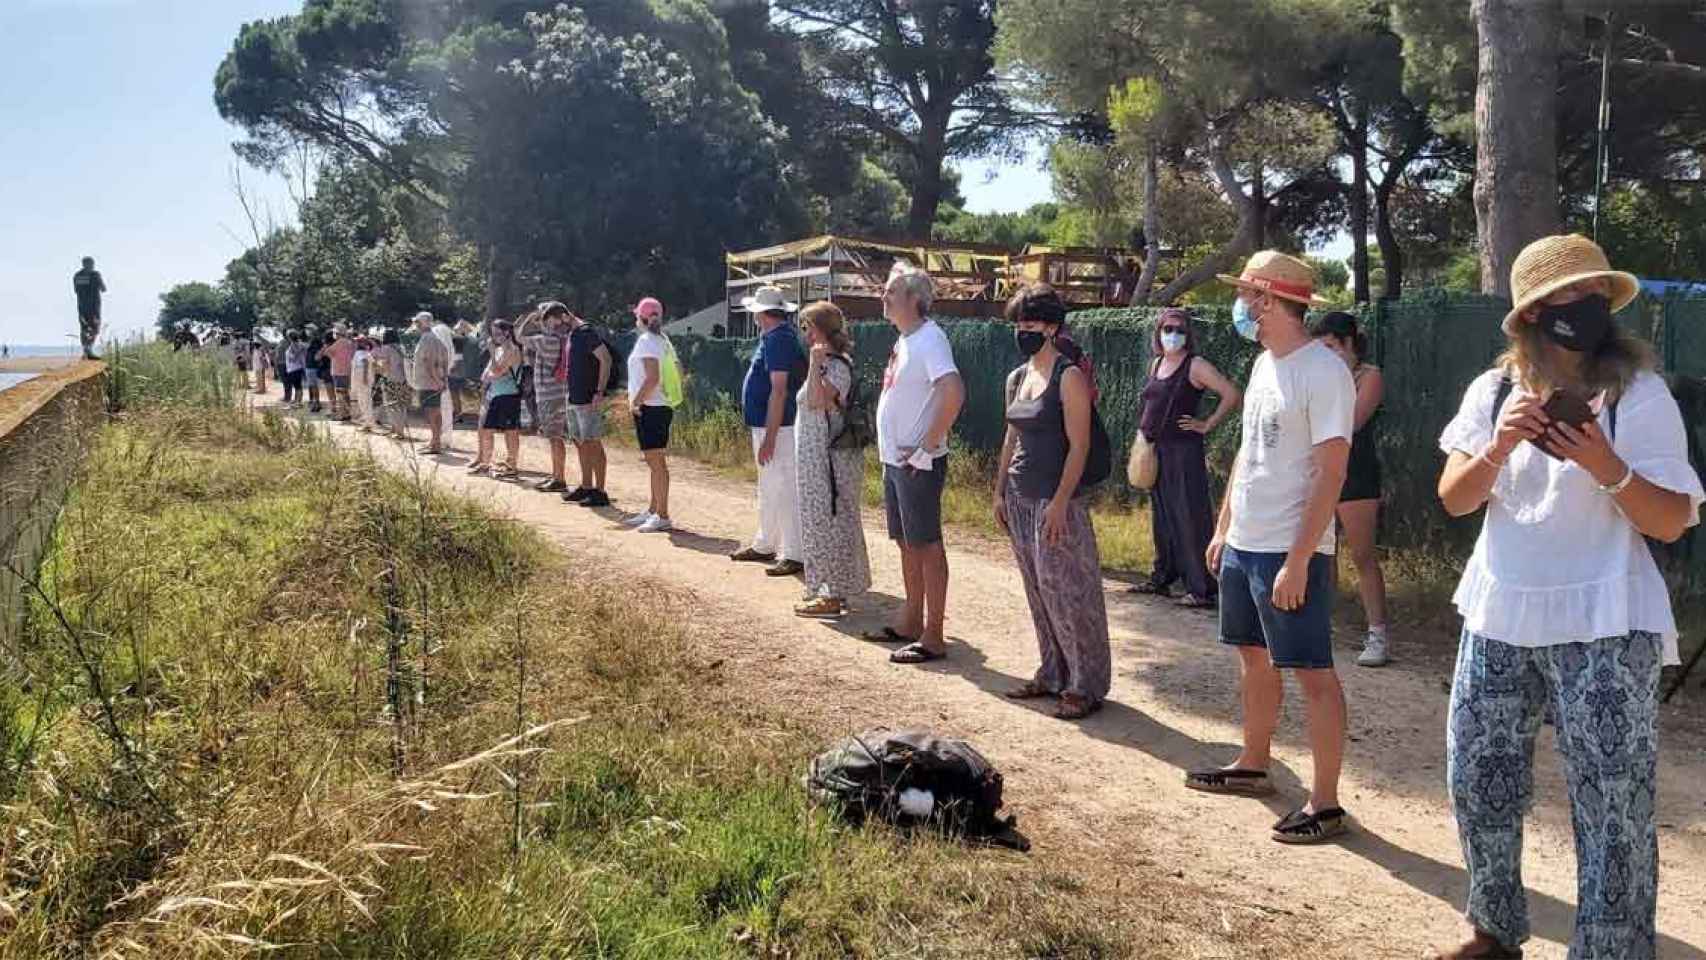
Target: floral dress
834, 536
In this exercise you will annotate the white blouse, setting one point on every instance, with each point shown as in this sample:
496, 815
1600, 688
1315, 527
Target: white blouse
1556, 561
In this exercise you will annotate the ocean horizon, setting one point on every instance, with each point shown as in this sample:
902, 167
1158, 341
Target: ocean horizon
37, 350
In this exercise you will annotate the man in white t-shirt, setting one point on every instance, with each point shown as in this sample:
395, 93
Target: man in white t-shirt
922, 395
1273, 545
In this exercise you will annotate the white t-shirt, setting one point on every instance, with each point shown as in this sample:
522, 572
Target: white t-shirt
1556, 561
1291, 405
648, 345
907, 407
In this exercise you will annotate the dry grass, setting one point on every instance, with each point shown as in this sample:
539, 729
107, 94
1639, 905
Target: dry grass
273, 699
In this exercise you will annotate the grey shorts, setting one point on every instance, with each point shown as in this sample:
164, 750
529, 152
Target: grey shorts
553, 422
913, 501
586, 422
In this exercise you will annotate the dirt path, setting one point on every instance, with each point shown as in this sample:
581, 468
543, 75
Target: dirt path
1112, 785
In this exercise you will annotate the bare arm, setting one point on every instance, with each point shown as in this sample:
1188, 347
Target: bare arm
1205, 376
952, 391
1328, 460
1371, 389
651, 379
603, 356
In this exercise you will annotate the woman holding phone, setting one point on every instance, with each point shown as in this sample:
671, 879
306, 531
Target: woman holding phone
1563, 605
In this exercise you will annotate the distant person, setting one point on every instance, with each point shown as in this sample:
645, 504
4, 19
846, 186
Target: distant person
5, 351
389, 364
769, 408
1273, 545
431, 375
341, 353
361, 381
545, 333
831, 473
922, 396
242, 350
311, 368
718, 332
1359, 501
260, 359
89, 286
589, 366
447, 422
651, 364
295, 362
1181, 505
501, 410
1564, 609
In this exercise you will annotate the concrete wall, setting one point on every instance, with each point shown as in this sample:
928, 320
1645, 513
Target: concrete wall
45, 426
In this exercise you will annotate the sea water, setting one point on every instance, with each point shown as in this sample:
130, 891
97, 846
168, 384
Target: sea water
8, 380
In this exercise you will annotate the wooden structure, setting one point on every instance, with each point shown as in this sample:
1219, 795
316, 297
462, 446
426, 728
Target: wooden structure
972, 280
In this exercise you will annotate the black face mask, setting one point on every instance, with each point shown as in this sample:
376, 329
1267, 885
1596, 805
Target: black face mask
1580, 326
1029, 341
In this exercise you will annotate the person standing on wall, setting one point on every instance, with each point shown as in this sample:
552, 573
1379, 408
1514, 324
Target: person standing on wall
1578, 451
922, 396
88, 286
770, 408
589, 364
1359, 502
1181, 507
1273, 544
1039, 501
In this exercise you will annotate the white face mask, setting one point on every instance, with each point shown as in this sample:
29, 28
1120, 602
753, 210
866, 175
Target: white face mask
1172, 342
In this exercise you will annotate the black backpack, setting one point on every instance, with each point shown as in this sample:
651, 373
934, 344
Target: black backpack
864, 776
618, 378
1100, 463
857, 429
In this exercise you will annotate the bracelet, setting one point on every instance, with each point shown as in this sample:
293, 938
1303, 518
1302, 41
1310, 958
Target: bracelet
1621, 485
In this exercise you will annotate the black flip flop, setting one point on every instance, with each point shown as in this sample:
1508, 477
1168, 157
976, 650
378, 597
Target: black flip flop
914, 653
886, 635
1243, 783
1298, 827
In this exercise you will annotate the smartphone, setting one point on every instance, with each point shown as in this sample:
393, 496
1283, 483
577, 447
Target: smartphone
1564, 407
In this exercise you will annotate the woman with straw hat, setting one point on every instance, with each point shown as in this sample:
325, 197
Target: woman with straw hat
1578, 451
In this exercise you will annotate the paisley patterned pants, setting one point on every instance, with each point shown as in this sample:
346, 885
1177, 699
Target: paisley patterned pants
1604, 697
1063, 585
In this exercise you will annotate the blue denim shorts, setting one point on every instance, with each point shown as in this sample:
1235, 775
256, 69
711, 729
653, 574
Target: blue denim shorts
1300, 639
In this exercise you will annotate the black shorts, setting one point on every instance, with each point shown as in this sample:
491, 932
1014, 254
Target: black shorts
651, 424
502, 413
913, 501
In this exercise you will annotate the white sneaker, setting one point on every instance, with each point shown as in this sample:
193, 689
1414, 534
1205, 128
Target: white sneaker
657, 525
637, 520
1373, 652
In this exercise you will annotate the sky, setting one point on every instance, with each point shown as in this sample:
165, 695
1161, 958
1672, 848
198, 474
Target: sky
110, 147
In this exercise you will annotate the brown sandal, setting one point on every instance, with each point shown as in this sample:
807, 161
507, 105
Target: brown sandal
1074, 707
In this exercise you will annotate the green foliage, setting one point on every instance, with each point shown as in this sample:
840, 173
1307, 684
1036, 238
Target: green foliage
196, 304
1012, 230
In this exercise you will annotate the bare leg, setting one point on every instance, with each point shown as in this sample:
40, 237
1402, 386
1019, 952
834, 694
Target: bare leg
933, 559
1360, 518
1325, 700
584, 459
512, 446
559, 456
658, 463
598, 462
912, 574
484, 452
1261, 689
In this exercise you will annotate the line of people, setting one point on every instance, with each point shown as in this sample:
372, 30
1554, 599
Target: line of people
1571, 444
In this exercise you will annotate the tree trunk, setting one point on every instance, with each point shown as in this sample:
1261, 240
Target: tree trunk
500, 281
1151, 227
1359, 204
927, 179
1391, 252
1252, 214
1516, 131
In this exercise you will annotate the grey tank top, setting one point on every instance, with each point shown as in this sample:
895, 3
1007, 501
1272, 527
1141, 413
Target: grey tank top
1039, 453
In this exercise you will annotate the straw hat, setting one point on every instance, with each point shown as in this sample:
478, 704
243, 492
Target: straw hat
1552, 263
1279, 274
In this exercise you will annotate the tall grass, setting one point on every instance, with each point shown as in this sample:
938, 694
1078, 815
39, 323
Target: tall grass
273, 698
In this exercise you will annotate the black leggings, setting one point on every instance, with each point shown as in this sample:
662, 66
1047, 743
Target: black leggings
292, 386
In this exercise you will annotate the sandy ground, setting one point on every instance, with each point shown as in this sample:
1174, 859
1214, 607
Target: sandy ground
1109, 790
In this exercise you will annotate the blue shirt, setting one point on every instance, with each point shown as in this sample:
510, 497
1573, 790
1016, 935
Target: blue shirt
778, 352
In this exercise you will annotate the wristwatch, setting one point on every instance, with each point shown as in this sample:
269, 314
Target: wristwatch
1621, 485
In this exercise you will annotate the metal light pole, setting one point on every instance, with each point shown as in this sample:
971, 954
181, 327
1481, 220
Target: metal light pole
1602, 151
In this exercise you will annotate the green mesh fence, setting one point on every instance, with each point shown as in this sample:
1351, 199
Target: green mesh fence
1430, 347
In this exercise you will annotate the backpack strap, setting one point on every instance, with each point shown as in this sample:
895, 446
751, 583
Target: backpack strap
1506, 384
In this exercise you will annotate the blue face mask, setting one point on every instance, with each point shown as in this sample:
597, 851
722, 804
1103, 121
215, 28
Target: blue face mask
1242, 320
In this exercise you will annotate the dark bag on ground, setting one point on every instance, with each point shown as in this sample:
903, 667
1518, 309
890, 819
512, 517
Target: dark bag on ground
864, 776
